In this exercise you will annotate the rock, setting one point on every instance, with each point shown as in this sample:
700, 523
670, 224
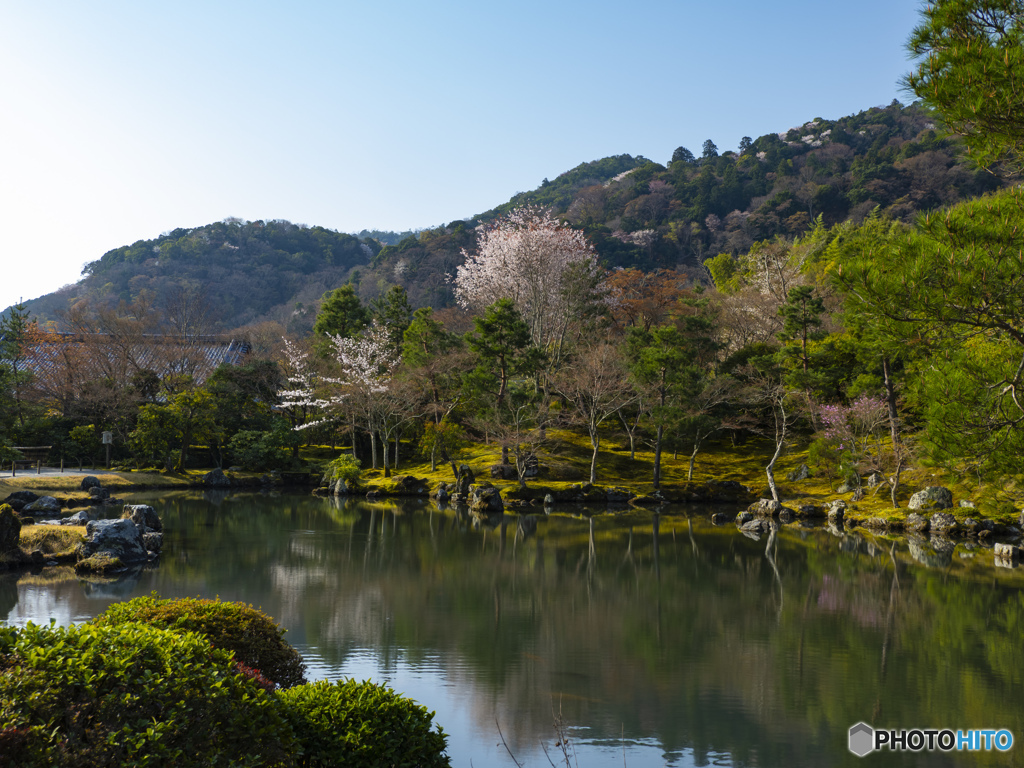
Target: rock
44, 506
1006, 551
970, 526
466, 479
943, 524
785, 515
90, 482
721, 518
848, 486
618, 495
835, 511
800, 473
79, 518
485, 498
504, 472
10, 529
917, 523
98, 493
216, 479
144, 516
765, 508
964, 503
116, 539
548, 499
875, 479
932, 497
742, 518
876, 523
153, 542
441, 494
20, 499
340, 488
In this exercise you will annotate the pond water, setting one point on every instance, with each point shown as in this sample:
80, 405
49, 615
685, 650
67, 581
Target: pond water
651, 639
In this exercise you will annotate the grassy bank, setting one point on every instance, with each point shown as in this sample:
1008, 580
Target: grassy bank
566, 462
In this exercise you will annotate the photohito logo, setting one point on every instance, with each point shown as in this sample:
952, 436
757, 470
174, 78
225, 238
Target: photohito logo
863, 739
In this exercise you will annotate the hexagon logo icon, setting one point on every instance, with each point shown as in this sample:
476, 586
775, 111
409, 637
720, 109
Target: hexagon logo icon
862, 739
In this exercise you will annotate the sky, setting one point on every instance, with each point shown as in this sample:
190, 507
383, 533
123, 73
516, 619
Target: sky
123, 120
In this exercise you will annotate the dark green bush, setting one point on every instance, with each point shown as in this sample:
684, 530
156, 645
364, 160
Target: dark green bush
362, 725
86, 696
254, 637
258, 451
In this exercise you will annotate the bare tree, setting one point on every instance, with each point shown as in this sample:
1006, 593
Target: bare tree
597, 386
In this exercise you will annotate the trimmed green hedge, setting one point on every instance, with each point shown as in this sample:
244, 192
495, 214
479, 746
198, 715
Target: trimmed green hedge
362, 725
258, 642
85, 696
116, 692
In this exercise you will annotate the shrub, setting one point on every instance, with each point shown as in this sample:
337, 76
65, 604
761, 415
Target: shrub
258, 451
346, 467
254, 637
132, 694
362, 725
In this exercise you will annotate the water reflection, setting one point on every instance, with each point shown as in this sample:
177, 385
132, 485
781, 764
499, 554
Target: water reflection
658, 637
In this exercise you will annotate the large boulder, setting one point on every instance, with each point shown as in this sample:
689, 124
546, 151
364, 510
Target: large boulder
836, 511
20, 499
119, 540
90, 482
144, 517
932, 497
216, 479
485, 499
766, 508
943, 524
10, 529
44, 506
465, 481
98, 494
917, 523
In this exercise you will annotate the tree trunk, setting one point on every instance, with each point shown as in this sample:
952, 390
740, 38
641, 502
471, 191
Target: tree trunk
398, 440
595, 441
384, 444
693, 459
770, 469
657, 457
373, 447
894, 427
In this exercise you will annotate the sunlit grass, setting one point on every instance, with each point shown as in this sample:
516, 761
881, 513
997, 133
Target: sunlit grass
53, 540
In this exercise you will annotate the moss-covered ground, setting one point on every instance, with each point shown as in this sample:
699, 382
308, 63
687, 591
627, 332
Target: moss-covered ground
565, 461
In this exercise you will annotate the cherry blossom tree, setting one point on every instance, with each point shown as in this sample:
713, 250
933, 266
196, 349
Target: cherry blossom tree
366, 367
539, 263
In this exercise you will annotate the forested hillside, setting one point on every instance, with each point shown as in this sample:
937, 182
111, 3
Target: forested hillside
635, 212
639, 213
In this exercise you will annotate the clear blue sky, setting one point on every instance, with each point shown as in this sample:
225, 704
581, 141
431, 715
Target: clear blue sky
122, 120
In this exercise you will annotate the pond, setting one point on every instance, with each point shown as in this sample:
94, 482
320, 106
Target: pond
646, 639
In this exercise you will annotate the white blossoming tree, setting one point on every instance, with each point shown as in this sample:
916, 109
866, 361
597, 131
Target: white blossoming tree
366, 387
546, 268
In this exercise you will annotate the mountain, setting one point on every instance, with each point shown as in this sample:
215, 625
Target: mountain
636, 212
